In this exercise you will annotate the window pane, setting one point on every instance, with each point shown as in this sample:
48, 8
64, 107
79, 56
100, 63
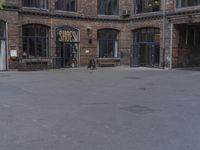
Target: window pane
35, 41
144, 6
108, 43
108, 7
35, 3
187, 3
66, 5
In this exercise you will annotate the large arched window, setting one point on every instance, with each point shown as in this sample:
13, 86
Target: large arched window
108, 43
35, 3
2, 45
66, 5
187, 3
35, 41
145, 6
108, 7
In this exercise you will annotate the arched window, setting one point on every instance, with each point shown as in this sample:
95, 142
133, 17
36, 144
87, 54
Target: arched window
147, 35
35, 41
108, 43
145, 6
2, 45
66, 5
35, 3
108, 7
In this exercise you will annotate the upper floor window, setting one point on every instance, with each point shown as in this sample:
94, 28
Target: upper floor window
108, 7
145, 6
66, 5
187, 3
35, 3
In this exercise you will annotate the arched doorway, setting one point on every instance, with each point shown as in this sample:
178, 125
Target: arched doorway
146, 48
67, 47
3, 52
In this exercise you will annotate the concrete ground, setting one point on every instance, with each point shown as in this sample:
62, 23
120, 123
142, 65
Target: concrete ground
105, 109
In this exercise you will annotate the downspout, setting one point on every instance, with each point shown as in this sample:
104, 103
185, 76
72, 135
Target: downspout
164, 21
171, 47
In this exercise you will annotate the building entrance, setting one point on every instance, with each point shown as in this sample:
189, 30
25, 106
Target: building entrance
146, 55
67, 48
69, 55
146, 48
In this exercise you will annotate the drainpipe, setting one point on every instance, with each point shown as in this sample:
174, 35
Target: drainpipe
164, 21
171, 47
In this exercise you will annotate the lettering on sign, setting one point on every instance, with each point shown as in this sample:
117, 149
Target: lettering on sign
68, 36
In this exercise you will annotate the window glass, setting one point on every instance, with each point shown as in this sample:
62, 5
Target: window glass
187, 3
66, 5
35, 3
35, 41
2, 30
108, 43
145, 6
147, 35
108, 7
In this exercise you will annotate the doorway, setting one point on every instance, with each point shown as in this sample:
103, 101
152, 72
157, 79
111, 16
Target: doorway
67, 47
145, 55
145, 50
69, 55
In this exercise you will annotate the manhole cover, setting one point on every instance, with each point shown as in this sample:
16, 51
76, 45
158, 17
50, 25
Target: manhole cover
138, 109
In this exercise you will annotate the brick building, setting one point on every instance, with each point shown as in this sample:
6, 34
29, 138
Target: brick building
67, 33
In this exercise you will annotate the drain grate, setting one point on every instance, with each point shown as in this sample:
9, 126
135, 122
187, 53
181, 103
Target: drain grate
138, 109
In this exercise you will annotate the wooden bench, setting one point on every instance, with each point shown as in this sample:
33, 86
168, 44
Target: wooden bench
108, 62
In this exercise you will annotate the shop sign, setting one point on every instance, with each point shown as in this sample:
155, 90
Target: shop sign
67, 36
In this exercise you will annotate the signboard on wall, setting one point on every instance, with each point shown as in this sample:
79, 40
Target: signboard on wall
67, 35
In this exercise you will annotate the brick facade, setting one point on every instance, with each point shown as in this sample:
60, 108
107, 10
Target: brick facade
86, 17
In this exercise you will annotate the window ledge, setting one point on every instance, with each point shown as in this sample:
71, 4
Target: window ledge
35, 9
148, 14
66, 12
109, 16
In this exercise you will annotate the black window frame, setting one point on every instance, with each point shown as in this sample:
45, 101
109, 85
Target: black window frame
40, 4
107, 38
146, 35
146, 6
35, 41
187, 3
106, 7
66, 5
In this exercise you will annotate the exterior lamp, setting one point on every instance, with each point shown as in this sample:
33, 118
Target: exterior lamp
156, 1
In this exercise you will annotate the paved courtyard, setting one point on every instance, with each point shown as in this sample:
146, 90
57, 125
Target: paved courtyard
105, 109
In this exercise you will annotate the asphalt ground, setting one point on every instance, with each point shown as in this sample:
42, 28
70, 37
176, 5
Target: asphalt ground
105, 109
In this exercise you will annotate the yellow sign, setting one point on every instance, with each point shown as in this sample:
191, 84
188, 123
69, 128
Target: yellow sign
68, 36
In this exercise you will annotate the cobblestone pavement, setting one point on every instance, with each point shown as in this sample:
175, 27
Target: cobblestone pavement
105, 109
